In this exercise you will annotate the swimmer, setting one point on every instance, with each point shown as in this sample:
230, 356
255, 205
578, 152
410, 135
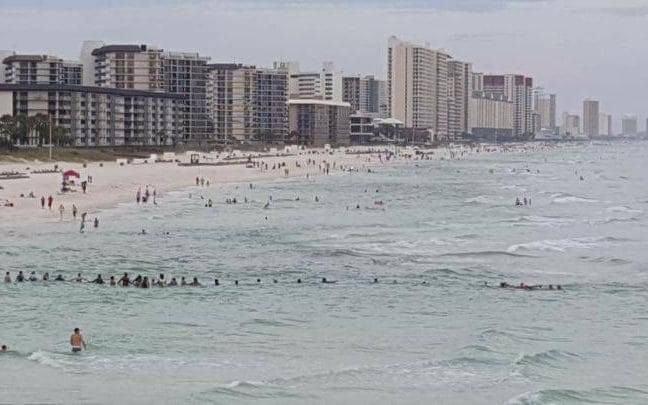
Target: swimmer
124, 280
98, 280
173, 282
299, 281
144, 283
32, 276
216, 282
3, 349
275, 281
46, 276
76, 341
235, 282
258, 280
59, 278
325, 281
7, 278
78, 278
183, 281
195, 283
113, 282
375, 280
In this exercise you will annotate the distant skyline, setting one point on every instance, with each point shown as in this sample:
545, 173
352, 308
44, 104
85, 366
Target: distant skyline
575, 48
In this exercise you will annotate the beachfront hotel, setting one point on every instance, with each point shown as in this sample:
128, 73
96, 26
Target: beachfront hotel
98, 116
247, 103
148, 68
319, 122
41, 69
417, 86
519, 90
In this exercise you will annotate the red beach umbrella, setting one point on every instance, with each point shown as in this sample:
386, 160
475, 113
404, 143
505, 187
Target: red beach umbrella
71, 173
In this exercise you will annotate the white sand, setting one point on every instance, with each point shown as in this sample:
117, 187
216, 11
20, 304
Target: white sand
113, 183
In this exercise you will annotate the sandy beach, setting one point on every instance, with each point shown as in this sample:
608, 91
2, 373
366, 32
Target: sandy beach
115, 182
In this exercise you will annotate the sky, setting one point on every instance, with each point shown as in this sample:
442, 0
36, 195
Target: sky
574, 48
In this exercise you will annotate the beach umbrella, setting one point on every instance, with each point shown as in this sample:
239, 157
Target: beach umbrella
71, 173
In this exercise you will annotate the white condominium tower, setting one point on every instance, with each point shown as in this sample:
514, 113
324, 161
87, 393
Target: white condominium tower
590, 117
41, 69
325, 84
518, 90
417, 86
459, 92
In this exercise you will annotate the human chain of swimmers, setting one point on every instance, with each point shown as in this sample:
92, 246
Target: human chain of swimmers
144, 281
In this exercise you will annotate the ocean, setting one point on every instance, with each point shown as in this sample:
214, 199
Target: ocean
434, 328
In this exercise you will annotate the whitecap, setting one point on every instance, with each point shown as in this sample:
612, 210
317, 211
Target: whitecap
561, 245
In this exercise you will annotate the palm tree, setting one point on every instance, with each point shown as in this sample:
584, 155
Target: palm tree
9, 131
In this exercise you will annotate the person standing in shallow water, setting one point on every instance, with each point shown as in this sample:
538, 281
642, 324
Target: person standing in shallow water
76, 341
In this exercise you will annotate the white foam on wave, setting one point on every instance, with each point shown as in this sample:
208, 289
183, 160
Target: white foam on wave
624, 210
572, 199
47, 359
561, 245
479, 199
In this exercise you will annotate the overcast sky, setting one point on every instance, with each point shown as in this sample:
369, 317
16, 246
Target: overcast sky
576, 48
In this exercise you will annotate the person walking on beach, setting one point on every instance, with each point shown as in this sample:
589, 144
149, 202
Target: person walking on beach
74, 211
96, 222
76, 341
61, 211
50, 201
43, 202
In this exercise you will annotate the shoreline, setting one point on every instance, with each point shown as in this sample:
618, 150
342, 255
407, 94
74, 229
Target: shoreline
113, 183
117, 182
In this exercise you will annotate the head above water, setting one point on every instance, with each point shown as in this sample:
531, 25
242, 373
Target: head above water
77, 330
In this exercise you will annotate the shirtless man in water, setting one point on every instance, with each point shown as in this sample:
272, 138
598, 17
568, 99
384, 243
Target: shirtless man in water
76, 341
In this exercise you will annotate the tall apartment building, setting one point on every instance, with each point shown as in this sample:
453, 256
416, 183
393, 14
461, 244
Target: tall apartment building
629, 125
605, 124
417, 86
459, 92
325, 84
518, 90
41, 69
98, 116
247, 103
136, 67
571, 125
590, 118
490, 116
186, 74
365, 94
545, 106
142, 67
319, 122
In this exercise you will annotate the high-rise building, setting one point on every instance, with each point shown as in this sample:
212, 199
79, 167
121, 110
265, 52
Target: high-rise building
143, 67
590, 118
417, 86
186, 74
88, 61
459, 84
365, 94
545, 106
247, 103
518, 90
325, 84
319, 122
98, 116
605, 124
137, 67
490, 116
41, 69
629, 125
571, 125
